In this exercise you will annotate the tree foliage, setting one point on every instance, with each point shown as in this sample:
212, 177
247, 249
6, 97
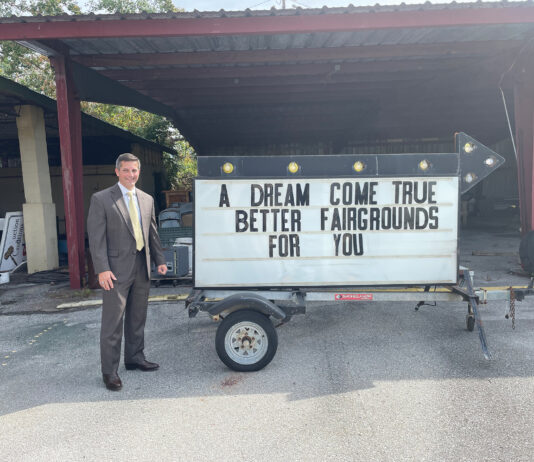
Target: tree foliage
132, 6
36, 7
25, 66
181, 168
34, 71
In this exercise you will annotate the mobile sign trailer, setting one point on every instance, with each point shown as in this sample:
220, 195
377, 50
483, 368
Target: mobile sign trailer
274, 233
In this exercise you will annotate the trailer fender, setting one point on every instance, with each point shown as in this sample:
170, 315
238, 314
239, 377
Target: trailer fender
247, 301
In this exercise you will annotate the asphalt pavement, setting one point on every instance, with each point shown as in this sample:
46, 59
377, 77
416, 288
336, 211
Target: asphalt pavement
352, 381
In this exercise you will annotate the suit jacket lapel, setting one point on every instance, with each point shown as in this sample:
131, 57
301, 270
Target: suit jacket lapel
116, 194
146, 213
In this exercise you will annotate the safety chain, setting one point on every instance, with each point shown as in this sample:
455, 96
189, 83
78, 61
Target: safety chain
511, 313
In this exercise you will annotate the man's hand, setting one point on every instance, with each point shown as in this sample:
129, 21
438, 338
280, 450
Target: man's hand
162, 269
105, 279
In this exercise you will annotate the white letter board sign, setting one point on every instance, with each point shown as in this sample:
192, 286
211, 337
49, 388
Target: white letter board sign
325, 232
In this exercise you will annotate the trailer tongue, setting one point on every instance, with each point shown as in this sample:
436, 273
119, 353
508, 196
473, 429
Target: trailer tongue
273, 233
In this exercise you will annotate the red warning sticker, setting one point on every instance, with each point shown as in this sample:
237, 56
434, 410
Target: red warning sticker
342, 297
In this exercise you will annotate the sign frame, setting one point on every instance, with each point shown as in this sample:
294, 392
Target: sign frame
470, 164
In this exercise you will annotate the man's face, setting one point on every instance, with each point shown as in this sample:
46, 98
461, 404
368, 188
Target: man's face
128, 173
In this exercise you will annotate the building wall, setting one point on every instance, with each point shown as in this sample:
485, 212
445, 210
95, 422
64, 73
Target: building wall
11, 190
151, 163
95, 178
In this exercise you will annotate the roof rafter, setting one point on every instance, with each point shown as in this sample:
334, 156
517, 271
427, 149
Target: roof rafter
207, 72
296, 54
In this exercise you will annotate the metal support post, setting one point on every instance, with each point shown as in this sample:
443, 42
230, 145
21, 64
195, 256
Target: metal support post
69, 120
473, 301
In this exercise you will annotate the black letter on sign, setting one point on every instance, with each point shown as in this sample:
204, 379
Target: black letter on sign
303, 196
272, 245
223, 199
334, 201
433, 214
241, 221
256, 200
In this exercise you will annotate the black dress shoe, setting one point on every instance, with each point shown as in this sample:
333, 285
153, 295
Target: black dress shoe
112, 381
144, 365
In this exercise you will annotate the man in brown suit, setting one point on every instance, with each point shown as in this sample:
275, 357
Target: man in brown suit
123, 239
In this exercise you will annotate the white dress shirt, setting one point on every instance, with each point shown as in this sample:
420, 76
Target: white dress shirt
127, 200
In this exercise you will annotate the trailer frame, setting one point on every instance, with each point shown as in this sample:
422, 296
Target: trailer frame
258, 309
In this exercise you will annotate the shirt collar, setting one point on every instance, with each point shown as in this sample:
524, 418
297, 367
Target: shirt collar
125, 191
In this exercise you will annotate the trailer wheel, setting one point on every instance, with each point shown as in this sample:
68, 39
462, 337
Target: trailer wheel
526, 252
246, 341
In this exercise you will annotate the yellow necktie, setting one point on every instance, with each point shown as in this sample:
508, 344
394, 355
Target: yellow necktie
135, 222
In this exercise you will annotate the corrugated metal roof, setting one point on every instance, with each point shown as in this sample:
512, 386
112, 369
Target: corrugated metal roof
287, 41
349, 9
332, 76
372, 37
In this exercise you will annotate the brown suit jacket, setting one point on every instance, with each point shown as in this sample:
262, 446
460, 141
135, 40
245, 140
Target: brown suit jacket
111, 235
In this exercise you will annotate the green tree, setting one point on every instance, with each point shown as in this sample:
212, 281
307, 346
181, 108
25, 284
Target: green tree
34, 71
181, 168
25, 66
144, 124
132, 6
36, 7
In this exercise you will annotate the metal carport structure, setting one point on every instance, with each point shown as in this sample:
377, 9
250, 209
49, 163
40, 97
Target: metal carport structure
30, 160
280, 81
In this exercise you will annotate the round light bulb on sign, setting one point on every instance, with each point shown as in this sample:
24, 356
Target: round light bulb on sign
469, 148
358, 166
470, 177
424, 165
228, 167
293, 167
490, 161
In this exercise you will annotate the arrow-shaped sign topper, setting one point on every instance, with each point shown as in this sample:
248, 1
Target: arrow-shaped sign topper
476, 161
472, 162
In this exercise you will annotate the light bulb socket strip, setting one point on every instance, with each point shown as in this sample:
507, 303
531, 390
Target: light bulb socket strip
471, 167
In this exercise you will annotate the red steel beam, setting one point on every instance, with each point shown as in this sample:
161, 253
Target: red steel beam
523, 86
87, 27
524, 104
69, 121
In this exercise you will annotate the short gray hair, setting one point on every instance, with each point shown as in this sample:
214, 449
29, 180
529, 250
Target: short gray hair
127, 157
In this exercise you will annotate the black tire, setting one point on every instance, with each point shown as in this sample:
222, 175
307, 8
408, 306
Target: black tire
246, 341
470, 321
526, 252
